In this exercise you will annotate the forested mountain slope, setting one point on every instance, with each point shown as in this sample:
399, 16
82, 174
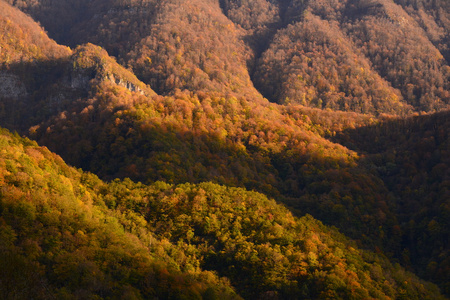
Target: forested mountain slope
41, 78
170, 44
60, 240
66, 234
323, 145
366, 56
21, 39
412, 157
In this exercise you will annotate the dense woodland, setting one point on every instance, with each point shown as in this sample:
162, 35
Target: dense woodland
366, 56
245, 149
68, 235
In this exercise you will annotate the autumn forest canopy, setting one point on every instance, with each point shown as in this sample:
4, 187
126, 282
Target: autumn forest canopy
224, 149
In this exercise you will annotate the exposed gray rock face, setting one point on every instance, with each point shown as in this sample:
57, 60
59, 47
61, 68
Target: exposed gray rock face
126, 84
11, 86
79, 81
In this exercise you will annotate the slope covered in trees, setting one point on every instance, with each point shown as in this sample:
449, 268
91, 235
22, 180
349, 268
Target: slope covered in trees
78, 237
312, 63
189, 139
186, 139
364, 56
59, 239
381, 181
21, 39
26, 54
33, 89
170, 45
411, 156
434, 18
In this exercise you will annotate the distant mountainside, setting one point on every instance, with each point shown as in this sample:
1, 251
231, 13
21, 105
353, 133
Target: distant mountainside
367, 56
22, 40
41, 78
337, 109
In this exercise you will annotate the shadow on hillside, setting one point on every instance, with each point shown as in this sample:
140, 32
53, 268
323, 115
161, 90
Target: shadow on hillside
32, 92
395, 133
411, 156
